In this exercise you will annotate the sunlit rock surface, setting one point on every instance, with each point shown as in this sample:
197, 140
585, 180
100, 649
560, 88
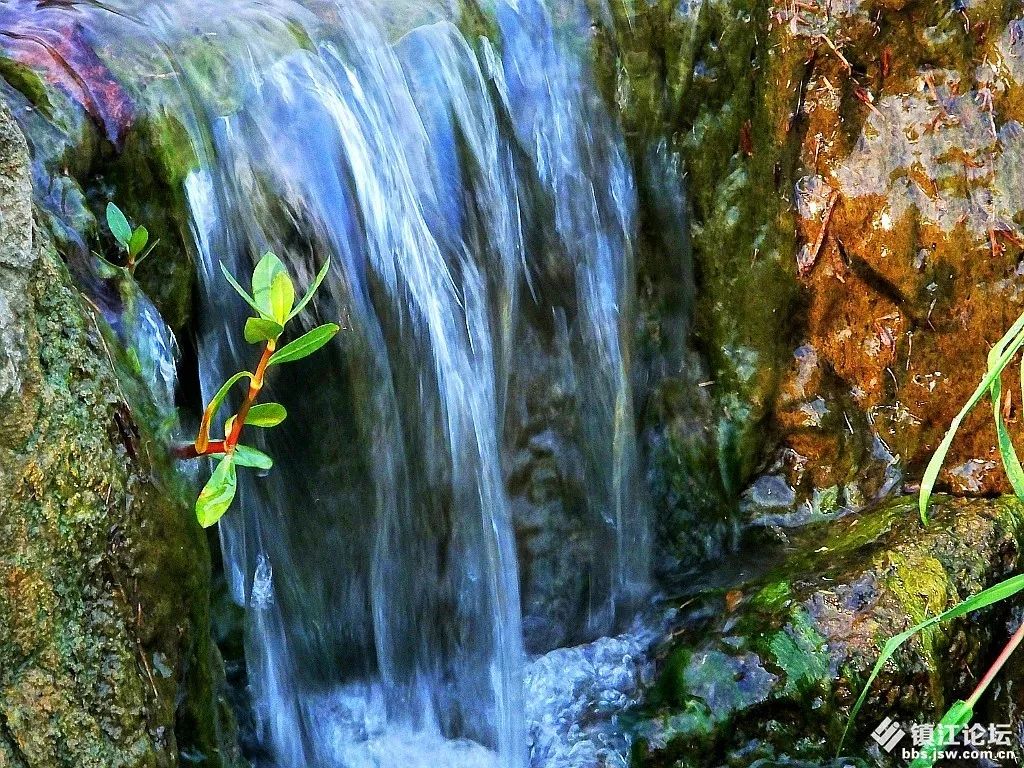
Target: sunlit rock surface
853, 173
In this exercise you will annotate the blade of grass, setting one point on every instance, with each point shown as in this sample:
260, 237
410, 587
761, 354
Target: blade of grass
983, 599
1014, 471
1011, 463
955, 720
931, 473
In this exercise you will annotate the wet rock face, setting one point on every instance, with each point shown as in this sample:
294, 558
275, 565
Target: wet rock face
16, 259
90, 134
105, 657
766, 667
854, 179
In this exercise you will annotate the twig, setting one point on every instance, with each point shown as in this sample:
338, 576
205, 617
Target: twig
819, 242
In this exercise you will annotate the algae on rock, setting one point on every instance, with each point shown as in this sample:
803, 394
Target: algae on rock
852, 175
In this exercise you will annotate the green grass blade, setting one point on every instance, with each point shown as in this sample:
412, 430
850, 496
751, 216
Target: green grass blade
931, 473
983, 599
1000, 346
955, 720
1011, 463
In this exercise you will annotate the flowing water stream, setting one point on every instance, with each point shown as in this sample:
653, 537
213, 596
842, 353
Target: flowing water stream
457, 483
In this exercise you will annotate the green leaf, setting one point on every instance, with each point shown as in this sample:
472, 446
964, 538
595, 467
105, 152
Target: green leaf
145, 254
218, 494
225, 388
931, 473
983, 599
138, 241
305, 345
108, 269
268, 268
133, 361
282, 297
240, 290
945, 733
312, 289
246, 456
119, 226
259, 329
266, 415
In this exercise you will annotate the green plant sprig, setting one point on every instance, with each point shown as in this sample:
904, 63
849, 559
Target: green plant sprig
961, 711
133, 242
273, 299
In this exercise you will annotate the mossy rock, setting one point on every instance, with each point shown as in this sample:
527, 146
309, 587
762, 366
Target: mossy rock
767, 669
697, 89
852, 190
106, 659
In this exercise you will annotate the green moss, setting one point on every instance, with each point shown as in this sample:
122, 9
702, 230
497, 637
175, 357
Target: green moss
107, 573
28, 82
104, 573
147, 179
799, 651
476, 21
773, 676
772, 597
742, 229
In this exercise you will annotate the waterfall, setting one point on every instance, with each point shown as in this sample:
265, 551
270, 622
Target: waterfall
459, 468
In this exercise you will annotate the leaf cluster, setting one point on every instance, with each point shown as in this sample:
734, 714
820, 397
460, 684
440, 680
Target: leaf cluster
133, 243
273, 301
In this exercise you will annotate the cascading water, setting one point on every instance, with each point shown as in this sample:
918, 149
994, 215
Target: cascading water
478, 211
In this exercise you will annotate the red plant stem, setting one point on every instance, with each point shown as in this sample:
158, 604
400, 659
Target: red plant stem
255, 385
190, 452
997, 665
231, 440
